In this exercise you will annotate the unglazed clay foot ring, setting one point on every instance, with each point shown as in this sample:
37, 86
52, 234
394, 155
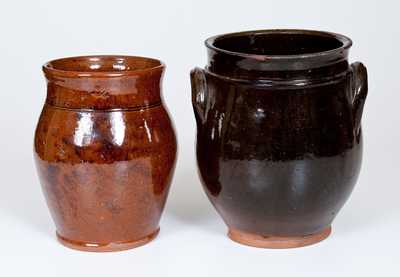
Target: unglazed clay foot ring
106, 247
277, 242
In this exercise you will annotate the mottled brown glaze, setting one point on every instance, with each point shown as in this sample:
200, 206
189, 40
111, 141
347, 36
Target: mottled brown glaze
279, 141
105, 150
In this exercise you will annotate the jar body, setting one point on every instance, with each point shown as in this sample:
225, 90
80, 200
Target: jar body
105, 172
278, 162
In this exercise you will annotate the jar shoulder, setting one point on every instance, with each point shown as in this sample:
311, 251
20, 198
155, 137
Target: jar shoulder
71, 136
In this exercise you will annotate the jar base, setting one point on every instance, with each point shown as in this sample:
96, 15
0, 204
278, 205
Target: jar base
275, 242
106, 247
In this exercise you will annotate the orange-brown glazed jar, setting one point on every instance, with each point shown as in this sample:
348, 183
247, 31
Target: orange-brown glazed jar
105, 150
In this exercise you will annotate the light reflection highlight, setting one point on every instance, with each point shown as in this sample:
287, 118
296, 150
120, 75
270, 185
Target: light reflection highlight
117, 128
83, 130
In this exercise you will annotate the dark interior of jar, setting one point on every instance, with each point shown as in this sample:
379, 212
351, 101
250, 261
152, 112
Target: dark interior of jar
277, 43
103, 64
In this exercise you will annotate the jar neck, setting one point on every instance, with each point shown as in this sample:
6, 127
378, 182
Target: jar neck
105, 92
289, 69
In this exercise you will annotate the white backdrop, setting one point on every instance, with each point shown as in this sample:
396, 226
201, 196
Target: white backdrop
365, 239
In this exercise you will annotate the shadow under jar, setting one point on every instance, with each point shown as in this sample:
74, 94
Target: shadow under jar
105, 150
279, 142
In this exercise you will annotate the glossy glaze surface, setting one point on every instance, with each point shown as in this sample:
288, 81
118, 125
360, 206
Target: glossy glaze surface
279, 141
105, 151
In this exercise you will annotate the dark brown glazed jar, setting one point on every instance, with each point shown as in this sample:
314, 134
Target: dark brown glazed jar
105, 150
279, 140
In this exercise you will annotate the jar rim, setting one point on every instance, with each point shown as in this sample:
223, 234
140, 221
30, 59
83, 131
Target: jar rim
101, 66
345, 44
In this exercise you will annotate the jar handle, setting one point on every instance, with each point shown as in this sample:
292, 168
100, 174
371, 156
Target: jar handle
359, 92
199, 93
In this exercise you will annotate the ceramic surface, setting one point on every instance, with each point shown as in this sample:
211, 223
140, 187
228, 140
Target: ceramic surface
105, 150
279, 141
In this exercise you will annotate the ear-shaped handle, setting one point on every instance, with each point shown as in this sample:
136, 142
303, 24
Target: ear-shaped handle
199, 93
359, 92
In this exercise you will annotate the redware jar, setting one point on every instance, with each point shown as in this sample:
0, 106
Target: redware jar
279, 139
105, 150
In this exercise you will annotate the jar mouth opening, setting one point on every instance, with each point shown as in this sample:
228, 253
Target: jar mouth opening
101, 66
279, 44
